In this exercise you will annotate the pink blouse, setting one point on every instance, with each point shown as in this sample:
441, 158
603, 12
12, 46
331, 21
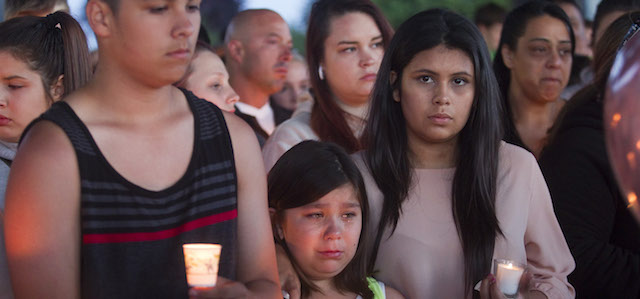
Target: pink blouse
423, 257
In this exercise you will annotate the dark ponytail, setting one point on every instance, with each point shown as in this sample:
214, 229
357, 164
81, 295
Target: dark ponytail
52, 46
77, 65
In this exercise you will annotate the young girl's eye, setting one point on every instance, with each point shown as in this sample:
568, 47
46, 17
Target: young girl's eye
377, 45
349, 215
459, 81
425, 79
15, 86
314, 215
216, 86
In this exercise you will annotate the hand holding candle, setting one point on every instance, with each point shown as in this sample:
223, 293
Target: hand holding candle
201, 264
508, 274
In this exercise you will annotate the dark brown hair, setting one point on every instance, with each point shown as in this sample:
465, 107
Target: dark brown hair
52, 46
514, 27
327, 119
304, 174
474, 186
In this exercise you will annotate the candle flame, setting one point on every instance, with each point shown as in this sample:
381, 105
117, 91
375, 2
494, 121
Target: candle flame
632, 198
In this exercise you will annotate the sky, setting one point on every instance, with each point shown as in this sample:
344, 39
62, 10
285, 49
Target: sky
293, 11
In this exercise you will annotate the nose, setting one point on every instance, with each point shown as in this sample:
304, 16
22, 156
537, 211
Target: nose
186, 24
286, 54
441, 96
232, 97
4, 97
334, 229
367, 57
554, 60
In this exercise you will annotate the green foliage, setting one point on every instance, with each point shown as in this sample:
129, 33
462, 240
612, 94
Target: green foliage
398, 11
298, 41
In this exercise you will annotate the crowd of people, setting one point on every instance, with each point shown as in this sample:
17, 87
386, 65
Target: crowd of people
383, 164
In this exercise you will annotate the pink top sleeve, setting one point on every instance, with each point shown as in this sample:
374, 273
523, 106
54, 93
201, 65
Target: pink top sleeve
548, 255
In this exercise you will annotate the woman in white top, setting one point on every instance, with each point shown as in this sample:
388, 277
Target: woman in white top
345, 44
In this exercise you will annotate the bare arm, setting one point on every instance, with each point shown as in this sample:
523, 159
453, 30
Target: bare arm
257, 259
42, 216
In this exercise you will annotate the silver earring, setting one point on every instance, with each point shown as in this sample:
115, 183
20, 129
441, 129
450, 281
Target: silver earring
320, 73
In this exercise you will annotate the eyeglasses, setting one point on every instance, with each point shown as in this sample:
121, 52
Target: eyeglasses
632, 31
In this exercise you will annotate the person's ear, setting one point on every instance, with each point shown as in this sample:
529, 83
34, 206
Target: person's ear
393, 76
57, 89
507, 56
100, 17
236, 50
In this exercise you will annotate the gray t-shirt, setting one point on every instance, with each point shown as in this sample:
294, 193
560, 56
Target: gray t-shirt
7, 151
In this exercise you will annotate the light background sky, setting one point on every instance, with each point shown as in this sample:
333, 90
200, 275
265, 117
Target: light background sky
293, 11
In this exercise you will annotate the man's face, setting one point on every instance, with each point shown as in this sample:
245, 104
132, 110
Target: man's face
267, 52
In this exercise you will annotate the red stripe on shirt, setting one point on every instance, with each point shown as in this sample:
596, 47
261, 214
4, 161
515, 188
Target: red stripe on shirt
159, 235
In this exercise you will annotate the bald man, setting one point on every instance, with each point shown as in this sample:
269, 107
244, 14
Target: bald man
257, 51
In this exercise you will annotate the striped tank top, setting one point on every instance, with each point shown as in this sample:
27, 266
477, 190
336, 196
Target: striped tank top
132, 237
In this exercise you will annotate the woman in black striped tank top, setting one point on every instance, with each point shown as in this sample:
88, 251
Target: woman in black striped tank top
110, 182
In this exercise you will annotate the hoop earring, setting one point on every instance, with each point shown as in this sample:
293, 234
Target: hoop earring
320, 73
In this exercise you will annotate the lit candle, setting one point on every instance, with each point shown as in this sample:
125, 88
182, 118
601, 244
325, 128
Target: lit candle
508, 275
201, 264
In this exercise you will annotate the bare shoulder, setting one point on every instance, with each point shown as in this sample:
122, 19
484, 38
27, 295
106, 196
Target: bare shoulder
392, 293
47, 143
45, 156
44, 184
243, 139
238, 128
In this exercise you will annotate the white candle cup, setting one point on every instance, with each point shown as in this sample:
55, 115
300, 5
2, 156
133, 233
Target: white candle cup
508, 274
201, 264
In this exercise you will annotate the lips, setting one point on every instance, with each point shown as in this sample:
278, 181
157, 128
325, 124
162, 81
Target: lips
282, 70
551, 80
369, 77
182, 53
331, 254
440, 118
4, 120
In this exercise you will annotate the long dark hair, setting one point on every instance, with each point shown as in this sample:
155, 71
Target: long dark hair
304, 174
474, 182
327, 119
52, 46
513, 28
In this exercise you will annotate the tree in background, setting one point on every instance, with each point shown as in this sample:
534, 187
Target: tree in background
398, 11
